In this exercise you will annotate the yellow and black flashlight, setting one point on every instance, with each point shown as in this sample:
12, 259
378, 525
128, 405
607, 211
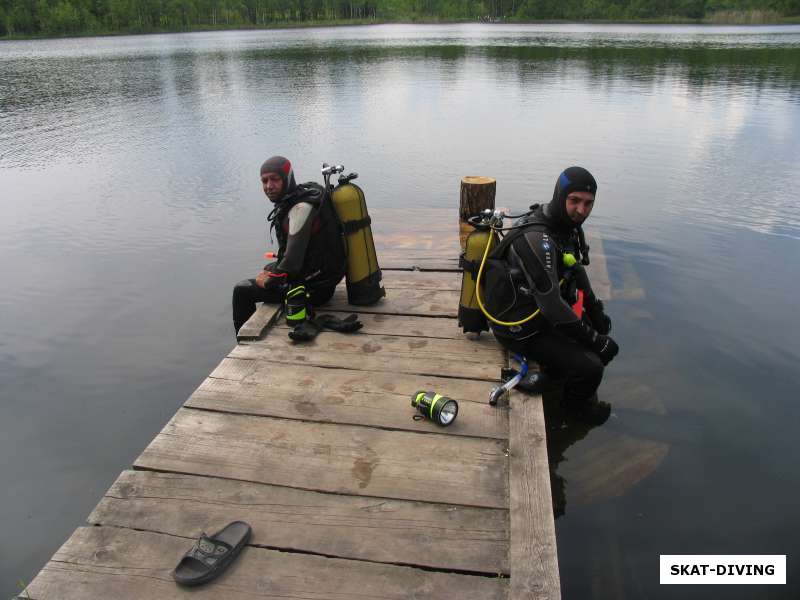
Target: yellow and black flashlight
439, 409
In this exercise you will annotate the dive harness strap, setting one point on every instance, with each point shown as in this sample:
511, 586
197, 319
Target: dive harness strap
470, 266
353, 226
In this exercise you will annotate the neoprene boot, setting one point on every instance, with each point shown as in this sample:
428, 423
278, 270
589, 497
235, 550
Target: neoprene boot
592, 411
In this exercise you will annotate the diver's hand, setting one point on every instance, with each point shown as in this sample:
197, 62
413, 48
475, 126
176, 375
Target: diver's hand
262, 278
269, 279
600, 320
605, 347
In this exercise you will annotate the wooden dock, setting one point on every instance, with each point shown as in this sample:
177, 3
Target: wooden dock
348, 496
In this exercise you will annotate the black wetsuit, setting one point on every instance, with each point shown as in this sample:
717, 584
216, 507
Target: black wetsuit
310, 252
526, 272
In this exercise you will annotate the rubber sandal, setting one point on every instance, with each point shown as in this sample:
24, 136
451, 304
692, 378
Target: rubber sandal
211, 555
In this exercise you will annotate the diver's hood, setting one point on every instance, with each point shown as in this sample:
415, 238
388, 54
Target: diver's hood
573, 179
283, 167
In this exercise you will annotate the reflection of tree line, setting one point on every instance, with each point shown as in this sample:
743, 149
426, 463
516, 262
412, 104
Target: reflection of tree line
50, 17
50, 81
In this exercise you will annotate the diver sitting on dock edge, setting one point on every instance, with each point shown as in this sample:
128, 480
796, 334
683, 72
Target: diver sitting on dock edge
538, 267
310, 248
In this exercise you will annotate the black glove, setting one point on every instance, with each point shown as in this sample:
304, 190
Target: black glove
604, 347
346, 325
599, 319
305, 331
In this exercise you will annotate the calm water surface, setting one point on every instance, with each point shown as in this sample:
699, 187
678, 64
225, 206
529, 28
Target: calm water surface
130, 204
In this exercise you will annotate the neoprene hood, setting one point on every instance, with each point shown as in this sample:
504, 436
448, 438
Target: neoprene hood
283, 167
573, 179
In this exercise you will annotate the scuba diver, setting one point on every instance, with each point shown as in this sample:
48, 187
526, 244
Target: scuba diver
311, 257
537, 268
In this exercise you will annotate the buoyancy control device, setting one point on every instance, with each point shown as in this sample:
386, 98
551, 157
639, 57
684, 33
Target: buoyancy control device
363, 274
486, 241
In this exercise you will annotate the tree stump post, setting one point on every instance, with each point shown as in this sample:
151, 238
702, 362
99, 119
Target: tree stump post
477, 194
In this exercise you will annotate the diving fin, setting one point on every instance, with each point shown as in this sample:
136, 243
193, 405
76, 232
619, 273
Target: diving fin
346, 325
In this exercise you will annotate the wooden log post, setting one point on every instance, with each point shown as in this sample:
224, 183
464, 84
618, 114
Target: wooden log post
477, 194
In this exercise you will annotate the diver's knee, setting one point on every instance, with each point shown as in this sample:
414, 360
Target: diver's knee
593, 368
243, 285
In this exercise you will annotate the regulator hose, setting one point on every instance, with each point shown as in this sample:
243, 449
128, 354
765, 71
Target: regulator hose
478, 291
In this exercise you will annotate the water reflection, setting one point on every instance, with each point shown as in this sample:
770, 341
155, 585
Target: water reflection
619, 454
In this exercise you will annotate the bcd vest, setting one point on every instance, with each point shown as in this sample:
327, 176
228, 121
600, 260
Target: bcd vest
512, 271
325, 262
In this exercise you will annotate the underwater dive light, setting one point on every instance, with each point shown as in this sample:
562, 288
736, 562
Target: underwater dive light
439, 409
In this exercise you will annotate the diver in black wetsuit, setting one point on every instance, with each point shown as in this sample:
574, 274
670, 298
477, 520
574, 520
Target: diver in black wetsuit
310, 246
537, 265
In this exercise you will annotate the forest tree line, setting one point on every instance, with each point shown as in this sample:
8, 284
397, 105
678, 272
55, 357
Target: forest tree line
67, 17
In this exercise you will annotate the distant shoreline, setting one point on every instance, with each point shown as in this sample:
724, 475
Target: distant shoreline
365, 22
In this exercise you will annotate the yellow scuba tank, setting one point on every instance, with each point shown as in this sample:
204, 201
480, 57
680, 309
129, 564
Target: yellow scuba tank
363, 273
470, 315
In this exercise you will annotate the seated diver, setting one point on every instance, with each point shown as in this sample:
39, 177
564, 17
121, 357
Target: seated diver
537, 267
311, 256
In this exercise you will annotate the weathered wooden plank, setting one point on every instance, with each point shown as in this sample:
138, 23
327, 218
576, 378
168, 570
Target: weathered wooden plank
632, 287
406, 261
428, 239
532, 554
393, 354
598, 267
409, 301
351, 380
254, 327
378, 530
422, 280
333, 458
350, 397
108, 562
428, 327
234, 369
397, 284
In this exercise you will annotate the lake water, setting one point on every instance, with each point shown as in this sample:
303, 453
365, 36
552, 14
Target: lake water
130, 205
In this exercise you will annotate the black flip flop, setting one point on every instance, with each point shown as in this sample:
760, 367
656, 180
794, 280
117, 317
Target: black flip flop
211, 555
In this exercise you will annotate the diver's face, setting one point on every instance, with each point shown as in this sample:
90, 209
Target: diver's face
579, 206
273, 186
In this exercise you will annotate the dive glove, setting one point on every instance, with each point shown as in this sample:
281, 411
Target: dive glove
604, 347
310, 328
347, 325
600, 320
305, 331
